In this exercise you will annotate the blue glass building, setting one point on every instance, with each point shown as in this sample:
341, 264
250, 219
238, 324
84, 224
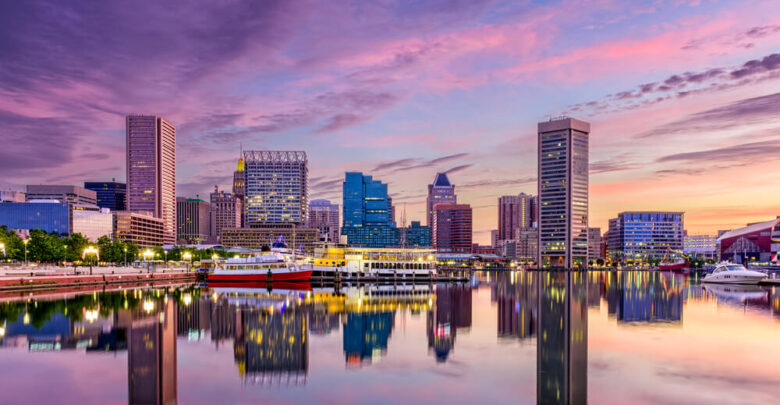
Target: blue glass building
641, 236
46, 216
110, 194
417, 235
367, 212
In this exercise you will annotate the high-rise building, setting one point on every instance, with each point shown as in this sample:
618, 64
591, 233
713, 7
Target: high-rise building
525, 206
642, 236
110, 194
563, 193
324, 216
73, 195
151, 169
276, 187
508, 212
452, 228
441, 191
225, 212
594, 244
151, 356
366, 220
239, 186
193, 221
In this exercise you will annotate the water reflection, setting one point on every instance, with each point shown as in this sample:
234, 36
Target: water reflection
270, 335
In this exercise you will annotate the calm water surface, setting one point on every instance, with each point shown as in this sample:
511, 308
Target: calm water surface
511, 337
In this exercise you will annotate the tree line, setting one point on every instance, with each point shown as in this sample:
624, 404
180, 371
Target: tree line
54, 248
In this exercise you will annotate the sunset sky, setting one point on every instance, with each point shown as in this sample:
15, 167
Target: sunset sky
683, 96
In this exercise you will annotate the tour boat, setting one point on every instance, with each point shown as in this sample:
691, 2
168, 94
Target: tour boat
269, 266
679, 264
731, 273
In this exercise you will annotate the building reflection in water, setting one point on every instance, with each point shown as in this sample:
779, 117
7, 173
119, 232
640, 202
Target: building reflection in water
452, 312
516, 296
151, 357
366, 335
562, 338
650, 297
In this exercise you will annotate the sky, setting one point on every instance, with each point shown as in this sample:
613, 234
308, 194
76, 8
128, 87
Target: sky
683, 97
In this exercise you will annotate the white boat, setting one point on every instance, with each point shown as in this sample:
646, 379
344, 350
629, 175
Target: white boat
731, 273
266, 267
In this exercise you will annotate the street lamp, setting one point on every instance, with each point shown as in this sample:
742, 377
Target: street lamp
2, 248
125, 256
187, 256
148, 255
90, 250
26, 241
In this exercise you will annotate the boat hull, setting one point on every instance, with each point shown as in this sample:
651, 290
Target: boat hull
303, 275
673, 266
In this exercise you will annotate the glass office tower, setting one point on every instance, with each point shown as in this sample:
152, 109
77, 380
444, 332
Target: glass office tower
367, 219
563, 193
276, 186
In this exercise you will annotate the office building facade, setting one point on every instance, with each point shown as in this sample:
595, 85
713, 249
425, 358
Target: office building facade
366, 212
193, 221
303, 239
225, 212
594, 244
12, 196
73, 195
276, 187
416, 235
110, 194
324, 216
50, 216
93, 224
563, 193
701, 246
151, 169
239, 186
144, 230
452, 228
441, 191
646, 235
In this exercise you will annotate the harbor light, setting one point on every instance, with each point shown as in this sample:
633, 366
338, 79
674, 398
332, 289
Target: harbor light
91, 315
2, 331
148, 306
214, 256
186, 299
187, 256
148, 254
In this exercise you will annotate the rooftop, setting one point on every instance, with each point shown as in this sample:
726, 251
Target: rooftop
750, 229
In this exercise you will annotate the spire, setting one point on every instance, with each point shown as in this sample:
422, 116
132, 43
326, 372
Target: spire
240, 167
441, 180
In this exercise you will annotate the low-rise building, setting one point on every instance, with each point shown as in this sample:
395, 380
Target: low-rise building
416, 235
142, 229
193, 221
47, 215
646, 235
701, 246
93, 224
12, 196
266, 235
73, 195
754, 242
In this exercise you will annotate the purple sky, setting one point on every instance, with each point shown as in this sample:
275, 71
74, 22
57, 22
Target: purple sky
683, 96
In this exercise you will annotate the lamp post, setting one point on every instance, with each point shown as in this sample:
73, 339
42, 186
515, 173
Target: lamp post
187, 256
90, 250
2, 248
148, 254
26, 241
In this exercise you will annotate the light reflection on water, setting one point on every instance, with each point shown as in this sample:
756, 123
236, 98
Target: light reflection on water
511, 337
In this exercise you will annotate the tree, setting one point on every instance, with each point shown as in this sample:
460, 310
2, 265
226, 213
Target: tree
76, 243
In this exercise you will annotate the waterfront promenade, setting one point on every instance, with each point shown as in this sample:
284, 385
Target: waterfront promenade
23, 278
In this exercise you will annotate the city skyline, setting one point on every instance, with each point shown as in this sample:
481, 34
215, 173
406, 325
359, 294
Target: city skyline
680, 95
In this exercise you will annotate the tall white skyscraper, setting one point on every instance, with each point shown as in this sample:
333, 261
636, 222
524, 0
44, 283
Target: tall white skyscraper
563, 193
151, 169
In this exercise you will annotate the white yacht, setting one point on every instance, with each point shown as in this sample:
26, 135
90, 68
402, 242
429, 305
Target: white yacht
731, 273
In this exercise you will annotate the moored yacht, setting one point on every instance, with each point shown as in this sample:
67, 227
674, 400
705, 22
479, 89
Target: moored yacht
731, 273
269, 266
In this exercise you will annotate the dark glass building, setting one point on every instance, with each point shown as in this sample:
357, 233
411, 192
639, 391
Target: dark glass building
416, 235
110, 194
46, 216
367, 219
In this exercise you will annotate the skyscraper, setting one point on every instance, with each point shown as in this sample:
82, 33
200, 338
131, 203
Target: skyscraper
367, 221
225, 213
441, 191
110, 194
193, 221
276, 187
508, 216
325, 216
452, 228
239, 186
151, 169
563, 193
